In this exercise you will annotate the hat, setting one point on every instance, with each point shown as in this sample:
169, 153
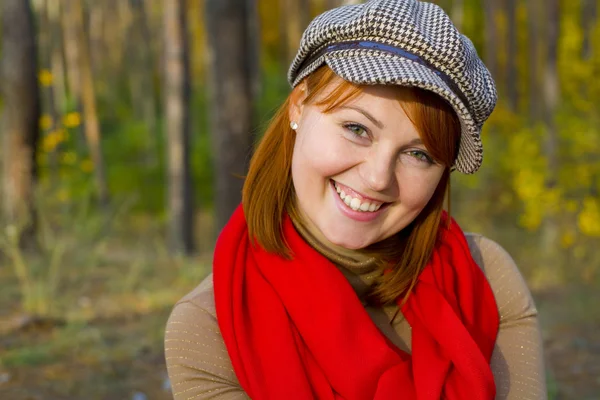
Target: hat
407, 43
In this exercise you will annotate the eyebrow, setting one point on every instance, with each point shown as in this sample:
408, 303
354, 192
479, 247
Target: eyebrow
371, 118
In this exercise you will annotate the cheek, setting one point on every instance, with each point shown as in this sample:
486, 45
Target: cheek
417, 188
320, 152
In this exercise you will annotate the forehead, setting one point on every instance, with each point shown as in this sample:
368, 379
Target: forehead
384, 103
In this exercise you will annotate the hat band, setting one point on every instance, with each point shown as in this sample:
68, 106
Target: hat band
384, 48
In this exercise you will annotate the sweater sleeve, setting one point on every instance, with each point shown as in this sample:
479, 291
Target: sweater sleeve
517, 360
197, 361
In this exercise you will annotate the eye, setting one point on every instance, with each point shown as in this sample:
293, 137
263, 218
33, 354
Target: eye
357, 130
420, 155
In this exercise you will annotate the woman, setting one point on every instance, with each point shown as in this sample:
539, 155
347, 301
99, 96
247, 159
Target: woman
340, 276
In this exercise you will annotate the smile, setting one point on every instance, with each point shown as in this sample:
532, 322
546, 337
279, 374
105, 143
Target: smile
355, 201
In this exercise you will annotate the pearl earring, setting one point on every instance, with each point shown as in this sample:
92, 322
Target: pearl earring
293, 125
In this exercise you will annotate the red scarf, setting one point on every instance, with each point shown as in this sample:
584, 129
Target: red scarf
296, 330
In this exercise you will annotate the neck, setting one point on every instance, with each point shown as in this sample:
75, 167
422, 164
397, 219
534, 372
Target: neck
352, 259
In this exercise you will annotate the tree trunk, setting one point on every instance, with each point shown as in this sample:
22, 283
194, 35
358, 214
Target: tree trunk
512, 73
20, 117
552, 86
57, 62
231, 109
141, 76
294, 17
113, 41
329, 4
458, 13
589, 15
551, 89
97, 44
491, 37
81, 53
71, 52
533, 27
47, 43
177, 119
254, 53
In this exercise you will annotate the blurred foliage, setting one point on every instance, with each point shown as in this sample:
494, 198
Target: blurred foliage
510, 192
112, 263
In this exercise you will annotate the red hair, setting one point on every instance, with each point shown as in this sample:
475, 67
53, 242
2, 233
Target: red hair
268, 191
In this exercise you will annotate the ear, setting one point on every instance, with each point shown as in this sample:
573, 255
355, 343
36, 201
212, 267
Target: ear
297, 98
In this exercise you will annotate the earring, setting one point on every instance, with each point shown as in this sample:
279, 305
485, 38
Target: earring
293, 125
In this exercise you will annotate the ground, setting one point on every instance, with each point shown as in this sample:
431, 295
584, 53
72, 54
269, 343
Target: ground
108, 342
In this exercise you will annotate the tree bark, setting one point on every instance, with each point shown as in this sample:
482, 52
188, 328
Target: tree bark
57, 60
512, 73
551, 90
491, 37
329, 4
22, 111
533, 27
81, 55
177, 119
294, 17
254, 53
96, 38
231, 109
48, 43
458, 13
141, 76
551, 86
71, 52
589, 15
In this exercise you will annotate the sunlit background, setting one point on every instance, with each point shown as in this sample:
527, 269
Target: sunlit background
112, 202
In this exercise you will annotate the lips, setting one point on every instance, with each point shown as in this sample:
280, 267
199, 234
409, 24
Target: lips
355, 202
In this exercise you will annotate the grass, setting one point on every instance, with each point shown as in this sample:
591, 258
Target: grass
104, 336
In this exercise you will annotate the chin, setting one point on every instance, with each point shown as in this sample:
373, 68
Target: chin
348, 243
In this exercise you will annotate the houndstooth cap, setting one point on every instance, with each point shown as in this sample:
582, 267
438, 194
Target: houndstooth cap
408, 43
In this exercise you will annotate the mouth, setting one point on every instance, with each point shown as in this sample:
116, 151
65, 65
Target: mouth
356, 201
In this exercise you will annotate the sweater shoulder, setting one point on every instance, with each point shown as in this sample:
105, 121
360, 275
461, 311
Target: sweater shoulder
202, 296
512, 295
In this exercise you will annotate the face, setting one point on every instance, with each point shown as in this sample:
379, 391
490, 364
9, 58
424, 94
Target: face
360, 172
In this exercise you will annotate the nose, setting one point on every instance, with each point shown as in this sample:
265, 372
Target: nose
378, 171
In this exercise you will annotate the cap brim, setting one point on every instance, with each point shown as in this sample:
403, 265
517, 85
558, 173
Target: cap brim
366, 67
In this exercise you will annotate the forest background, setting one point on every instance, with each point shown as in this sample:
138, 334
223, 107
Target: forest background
127, 126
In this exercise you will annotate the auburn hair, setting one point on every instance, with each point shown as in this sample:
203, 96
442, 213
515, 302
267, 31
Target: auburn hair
268, 191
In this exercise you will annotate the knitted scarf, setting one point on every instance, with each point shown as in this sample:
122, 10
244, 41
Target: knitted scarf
296, 330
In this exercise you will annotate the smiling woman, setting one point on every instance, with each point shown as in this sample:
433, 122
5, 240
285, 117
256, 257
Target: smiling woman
340, 276
390, 145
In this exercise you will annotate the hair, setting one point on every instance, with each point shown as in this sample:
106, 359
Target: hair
268, 191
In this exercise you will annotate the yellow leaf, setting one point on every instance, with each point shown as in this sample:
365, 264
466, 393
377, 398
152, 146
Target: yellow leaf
72, 120
46, 122
49, 143
69, 158
567, 240
589, 217
62, 135
87, 165
45, 77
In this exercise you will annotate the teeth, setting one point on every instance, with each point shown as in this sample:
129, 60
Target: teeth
357, 204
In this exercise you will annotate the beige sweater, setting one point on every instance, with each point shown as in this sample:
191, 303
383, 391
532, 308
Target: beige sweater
199, 366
